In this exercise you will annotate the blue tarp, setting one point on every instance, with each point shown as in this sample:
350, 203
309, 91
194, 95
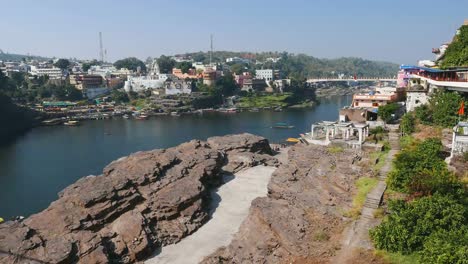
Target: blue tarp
411, 67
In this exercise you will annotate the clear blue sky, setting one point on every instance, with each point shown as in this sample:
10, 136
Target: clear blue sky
398, 31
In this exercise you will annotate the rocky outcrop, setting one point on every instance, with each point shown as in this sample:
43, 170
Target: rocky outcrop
301, 219
139, 203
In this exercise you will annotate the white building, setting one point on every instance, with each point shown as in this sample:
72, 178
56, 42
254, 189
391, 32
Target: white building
53, 73
107, 70
142, 83
267, 74
178, 87
237, 60
460, 139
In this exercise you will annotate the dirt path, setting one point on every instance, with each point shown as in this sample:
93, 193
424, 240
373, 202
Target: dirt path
231, 207
356, 236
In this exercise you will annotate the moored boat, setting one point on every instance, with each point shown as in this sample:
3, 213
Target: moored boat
72, 123
141, 117
282, 125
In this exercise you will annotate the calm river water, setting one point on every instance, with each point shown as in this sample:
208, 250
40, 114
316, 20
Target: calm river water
35, 167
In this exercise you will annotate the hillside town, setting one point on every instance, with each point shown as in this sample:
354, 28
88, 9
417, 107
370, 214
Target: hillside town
354, 164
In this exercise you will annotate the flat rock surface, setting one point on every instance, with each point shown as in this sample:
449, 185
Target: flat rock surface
231, 206
301, 219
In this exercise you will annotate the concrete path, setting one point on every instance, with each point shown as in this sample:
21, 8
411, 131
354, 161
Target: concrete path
231, 207
357, 235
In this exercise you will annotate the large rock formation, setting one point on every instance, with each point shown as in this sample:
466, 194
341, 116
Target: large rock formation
140, 202
301, 219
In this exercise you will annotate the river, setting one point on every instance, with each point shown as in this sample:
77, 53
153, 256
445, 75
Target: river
39, 164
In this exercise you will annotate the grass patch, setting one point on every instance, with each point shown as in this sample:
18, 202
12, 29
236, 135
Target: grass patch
379, 212
335, 149
321, 236
364, 185
139, 103
407, 142
259, 101
381, 156
397, 258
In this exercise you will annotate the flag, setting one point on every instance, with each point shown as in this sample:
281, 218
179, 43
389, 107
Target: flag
461, 111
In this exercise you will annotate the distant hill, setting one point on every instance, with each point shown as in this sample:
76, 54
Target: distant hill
306, 66
19, 57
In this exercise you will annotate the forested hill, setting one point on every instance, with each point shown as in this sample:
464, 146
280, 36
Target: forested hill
456, 54
305, 66
18, 57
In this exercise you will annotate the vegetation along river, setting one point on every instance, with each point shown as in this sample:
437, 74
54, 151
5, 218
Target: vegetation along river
36, 166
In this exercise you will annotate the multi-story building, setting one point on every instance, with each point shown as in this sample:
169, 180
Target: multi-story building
209, 76
191, 74
53, 73
90, 85
84, 81
267, 75
240, 78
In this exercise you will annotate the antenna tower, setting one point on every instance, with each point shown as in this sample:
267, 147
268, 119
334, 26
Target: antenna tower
101, 49
211, 48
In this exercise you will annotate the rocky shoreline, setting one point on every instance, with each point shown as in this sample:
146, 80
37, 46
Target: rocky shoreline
151, 199
138, 204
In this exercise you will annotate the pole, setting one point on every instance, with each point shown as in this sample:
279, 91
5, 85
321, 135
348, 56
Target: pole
211, 48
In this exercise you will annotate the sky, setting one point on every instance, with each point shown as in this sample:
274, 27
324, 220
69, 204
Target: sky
398, 31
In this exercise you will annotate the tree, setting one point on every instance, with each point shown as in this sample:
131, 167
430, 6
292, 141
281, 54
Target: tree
457, 52
62, 64
423, 114
185, 66
199, 57
386, 111
407, 124
130, 63
72, 94
119, 96
226, 85
444, 107
165, 64
237, 68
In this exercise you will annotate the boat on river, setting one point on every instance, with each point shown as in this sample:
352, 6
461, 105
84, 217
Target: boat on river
141, 117
126, 116
228, 110
282, 125
72, 123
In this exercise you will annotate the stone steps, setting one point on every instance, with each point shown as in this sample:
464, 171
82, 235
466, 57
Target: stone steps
372, 203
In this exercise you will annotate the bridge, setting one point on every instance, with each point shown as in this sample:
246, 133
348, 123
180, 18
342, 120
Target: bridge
364, 79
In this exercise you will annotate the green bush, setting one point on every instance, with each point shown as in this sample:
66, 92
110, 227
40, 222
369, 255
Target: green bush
446, 246
385, 112
410, 162
410, 224
423, 114
407, 124
444, 107
442, 181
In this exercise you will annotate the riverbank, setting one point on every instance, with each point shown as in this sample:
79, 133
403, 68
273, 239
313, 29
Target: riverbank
15, 120
34, 164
